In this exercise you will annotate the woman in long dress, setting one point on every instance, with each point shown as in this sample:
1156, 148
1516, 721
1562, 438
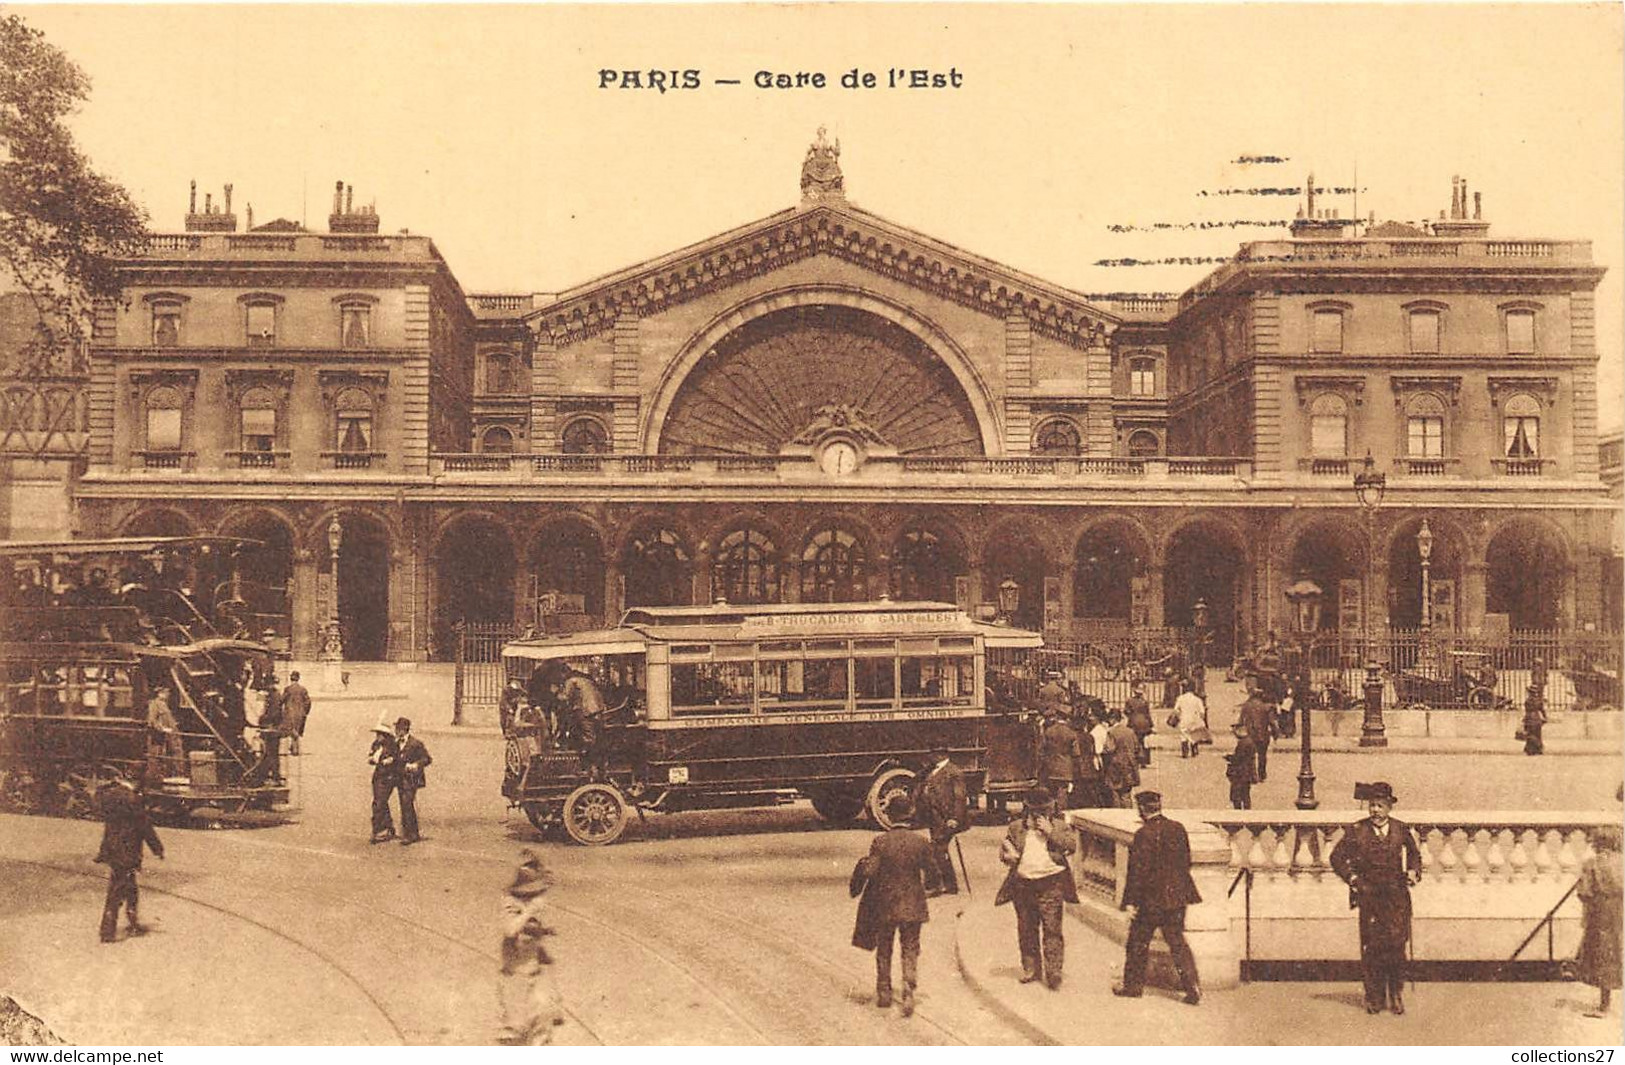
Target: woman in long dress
1600, 892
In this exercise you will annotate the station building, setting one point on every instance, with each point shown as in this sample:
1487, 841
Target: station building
823, 405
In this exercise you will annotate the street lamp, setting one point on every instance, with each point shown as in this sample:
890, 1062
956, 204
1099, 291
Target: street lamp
1369, 487
1424, 548
1200, 635
1009, 600
1306, 598
333, 636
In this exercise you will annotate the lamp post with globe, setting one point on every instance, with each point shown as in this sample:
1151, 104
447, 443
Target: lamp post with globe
1369, 487
1306, 598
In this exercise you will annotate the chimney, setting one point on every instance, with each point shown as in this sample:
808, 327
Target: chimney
1478, 206
338, 197
228, 197
349, 199
250, 217
191, 205
1311, 190
208, 203
1460, 224
345, 218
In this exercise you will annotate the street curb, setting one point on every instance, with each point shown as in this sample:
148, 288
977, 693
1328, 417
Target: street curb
991, 1002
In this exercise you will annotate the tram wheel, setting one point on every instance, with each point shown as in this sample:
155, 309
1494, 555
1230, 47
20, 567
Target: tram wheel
883, 795
837, 807
594, 815
1480, 698
79, 787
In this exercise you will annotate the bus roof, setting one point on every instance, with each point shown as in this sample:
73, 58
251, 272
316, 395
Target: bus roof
127, 545
721, 613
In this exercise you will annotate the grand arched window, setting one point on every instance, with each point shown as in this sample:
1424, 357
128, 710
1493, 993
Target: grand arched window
584, 436
745, 568
1143, 443
1058, 436
834, 569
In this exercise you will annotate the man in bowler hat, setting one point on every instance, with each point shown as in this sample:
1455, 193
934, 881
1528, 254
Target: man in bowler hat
411, 762
126, 830
943, 804
1379, 860
893, 907
1159, 887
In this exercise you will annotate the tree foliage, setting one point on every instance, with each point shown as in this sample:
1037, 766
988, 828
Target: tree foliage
62, 224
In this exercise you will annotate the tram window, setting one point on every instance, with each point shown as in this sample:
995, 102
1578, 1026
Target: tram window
956, 642
876, 682
691, 649
799, 685
712, 688
875, 645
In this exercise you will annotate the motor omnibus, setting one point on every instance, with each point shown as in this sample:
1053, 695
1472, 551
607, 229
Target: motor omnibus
731, 706
127, 656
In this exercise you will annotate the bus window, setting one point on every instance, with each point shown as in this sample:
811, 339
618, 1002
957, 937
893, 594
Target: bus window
946, 681
876, 682
803, 685
712, 688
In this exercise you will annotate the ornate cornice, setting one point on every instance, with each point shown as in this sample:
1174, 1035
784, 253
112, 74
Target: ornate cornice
1310, 385
824, 231
239, 381
1448, 387
1501, 387
334, 381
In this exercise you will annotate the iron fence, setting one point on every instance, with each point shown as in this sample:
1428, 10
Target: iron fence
478, 677
1105, 667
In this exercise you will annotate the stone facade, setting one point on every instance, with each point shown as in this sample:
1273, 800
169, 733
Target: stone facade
823, 404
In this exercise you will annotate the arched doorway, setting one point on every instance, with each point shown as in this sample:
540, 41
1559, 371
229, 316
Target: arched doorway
1107, 559
161, 522
1526, 576
567, 576
745, 568
264, 573
473, 578
658, 569
1023, 561
1330, 553
363, 591
834, 568
925, 566
1405, 575
1206, 563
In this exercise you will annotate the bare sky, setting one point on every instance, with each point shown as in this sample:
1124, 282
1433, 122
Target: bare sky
485, 126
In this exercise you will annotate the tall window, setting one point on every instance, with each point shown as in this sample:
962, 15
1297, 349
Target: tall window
1520, 331
1424, 331
1143, 443
355, 325
164, 419
353, 422
1521, 428
499, 374
261, 324
1424, 428
1058, 436
166, 324
1142, 377
258, 421
1328, 427
584, 436
834, 569
1328, 331
497, 441
746, 568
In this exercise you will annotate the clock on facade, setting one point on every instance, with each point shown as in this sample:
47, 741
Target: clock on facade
838, 458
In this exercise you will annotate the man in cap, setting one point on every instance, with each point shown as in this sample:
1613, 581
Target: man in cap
510, 705
1159, 887
1379, 860
384, 758
531, 1005
1120, 758
414, 759
1258, 714
1035, 848
943, 805
1060, 754
1241, 768
126, 829
1137, 709
892, 881
1053, 692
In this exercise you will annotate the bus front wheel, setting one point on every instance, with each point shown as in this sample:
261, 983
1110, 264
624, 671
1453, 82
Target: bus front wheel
594, 815
883, 795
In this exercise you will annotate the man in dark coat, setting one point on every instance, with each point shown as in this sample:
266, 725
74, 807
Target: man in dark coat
943, 804
126, 829
414, 759
1138, 711
295, 709
1089, 790
1159, 887
1120, 759
1060, 755
893, 906
1035, 848
1259, 716
1379, 859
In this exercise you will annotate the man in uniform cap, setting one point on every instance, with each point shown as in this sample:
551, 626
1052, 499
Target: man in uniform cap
1159, 887
1060, 754
943, 805
126, 830
531, 1005
1379, 859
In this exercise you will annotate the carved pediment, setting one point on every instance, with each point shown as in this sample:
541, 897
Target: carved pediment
1311, 385
838, 230
1544, 388
335, 381
1447, 387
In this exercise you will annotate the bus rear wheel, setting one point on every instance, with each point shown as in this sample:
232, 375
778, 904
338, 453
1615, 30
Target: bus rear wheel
883, 795
837, 807
594, 815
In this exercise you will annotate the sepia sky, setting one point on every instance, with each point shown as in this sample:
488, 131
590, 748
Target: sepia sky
485, 127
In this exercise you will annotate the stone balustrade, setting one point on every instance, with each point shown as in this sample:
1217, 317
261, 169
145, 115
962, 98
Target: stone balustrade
1270, 896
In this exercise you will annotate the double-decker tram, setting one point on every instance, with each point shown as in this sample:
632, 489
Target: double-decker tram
130, 656
693, 708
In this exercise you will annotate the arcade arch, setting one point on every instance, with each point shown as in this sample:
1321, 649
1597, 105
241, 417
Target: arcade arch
474, 569
1207, 562
1527, 562
567, 567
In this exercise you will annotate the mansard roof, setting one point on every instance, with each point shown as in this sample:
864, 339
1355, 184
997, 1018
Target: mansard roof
846, 232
